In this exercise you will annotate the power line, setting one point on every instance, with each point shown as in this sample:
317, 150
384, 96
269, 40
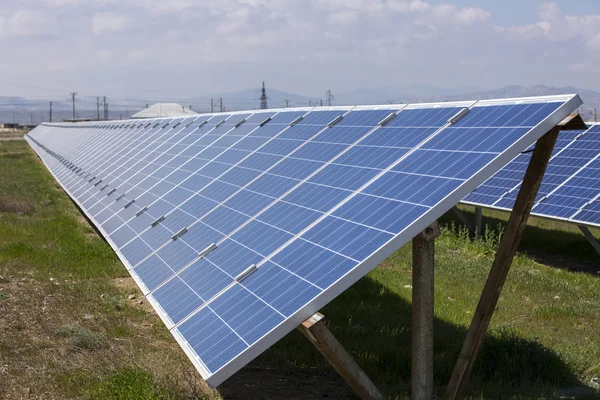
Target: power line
263, 98
329, 97
214, 102
73, 100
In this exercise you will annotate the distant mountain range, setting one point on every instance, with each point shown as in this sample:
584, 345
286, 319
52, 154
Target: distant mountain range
25, 110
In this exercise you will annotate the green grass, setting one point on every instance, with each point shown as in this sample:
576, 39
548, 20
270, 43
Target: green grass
129, 384
543, 341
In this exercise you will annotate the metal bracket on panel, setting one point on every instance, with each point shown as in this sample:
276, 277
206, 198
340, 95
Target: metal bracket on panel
120, 197
239, 123
159, 219
179, 233
387, 119
294, 122
590, 237
218, 124
202, 124
176, 125
103, 187
335, 120
246, 273
111, 192
264, 122
155, 125
207, 250
129, 204
97, 183
137, 214
458, 116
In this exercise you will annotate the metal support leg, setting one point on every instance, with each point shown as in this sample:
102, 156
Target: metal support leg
501, 266
422, 313
478, 224
317, 333
463, 218
590, 237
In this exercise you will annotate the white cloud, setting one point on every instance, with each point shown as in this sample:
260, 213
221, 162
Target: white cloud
107, 22
21, 24
298, 45
470, 15
344, 17
60, 3
555, 26
408, 6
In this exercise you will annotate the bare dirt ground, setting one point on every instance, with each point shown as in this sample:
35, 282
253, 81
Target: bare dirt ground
12, 134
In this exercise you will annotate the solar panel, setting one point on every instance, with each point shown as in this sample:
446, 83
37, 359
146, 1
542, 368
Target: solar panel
237, 227
571, 185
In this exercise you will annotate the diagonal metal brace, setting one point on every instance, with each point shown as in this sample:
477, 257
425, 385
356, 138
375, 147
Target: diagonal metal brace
317, 333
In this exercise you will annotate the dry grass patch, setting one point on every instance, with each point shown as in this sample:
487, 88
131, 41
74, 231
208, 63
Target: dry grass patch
82, 338
14, 206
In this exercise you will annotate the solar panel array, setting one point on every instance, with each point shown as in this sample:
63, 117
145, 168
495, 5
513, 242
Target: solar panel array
237, 227
570, 190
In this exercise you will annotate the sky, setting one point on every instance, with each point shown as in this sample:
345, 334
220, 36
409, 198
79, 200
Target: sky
184, 48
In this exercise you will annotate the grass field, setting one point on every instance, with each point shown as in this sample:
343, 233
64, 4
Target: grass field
72, 325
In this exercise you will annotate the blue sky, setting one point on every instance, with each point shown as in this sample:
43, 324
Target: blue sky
182, 48
525, 11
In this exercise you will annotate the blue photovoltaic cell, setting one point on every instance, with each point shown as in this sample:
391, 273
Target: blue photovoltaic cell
239, 226
570, 184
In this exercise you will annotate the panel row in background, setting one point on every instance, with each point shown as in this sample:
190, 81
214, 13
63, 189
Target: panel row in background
570, 190
239, 226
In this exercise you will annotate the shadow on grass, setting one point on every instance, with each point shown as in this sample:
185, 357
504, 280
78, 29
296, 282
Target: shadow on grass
552, 245
374, 325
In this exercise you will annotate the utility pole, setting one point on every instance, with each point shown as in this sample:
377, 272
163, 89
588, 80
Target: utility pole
221, 103
329, 97
31, 114
263, 98
98, 108
310, 103
212, 106
105, 109
321, 103
594, 113
73, 94
50, 111
287, 103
